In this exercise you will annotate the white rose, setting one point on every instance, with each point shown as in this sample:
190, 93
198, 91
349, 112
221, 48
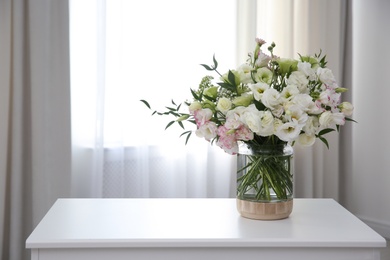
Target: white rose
270, 98
326, 76
251, 118
299, 79
311, 126
267, 124
306, 68
306, 140
328, 118
303, 101
258, 89
224, 105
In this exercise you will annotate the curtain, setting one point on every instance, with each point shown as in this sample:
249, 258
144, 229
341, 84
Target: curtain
124, 51
130, 159
308, 27
34, 117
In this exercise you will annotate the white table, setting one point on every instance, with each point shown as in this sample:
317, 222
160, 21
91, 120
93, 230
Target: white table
186, 229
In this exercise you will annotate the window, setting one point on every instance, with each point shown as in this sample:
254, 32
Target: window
124, 51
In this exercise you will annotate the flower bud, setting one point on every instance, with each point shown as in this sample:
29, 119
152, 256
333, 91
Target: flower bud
182, 118
341, 90
211, 92
287, 65
243, 100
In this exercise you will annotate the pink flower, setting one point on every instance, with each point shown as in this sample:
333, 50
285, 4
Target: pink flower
227, 140
202, 116
244, 133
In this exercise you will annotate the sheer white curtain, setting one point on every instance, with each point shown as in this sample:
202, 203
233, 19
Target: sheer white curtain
306, 27
130, 52
124, 51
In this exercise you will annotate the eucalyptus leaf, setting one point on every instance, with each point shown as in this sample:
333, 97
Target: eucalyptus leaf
146, 103
207, 67
169, 124
215, 62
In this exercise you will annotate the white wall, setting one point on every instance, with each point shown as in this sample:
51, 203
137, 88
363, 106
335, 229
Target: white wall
367, 180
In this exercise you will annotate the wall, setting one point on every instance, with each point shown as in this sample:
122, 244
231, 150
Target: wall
366, 181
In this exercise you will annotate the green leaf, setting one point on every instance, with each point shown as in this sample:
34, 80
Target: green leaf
324, 140
169, 124
227, 86
145, 102
196, 97
210, 98
215, 62
173, 102
259, 105
186, 132
232, 80
325, 131
207, 67
350, 119
188, 137
181, 124
171, 108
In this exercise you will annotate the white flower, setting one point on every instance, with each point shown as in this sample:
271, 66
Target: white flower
312, 125
264, 75
299, 79
330, 98
295, 113
289, 92
224, 105
258, 89
267, 124
289, 131
328, 119
306, 68
245, 73
306, 103
346, 108
338, 118
207, 130
251, 117
306, 140
326, 77
233, 118
270, 98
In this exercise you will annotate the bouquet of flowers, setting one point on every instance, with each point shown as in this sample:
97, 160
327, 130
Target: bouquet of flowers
268, 100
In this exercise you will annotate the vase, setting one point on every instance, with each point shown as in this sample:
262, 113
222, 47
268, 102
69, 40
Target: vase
265, 181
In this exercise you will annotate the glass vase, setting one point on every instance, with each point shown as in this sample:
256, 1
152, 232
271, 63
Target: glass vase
265, 181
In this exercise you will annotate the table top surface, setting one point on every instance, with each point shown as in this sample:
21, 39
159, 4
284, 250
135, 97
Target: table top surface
85, 223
